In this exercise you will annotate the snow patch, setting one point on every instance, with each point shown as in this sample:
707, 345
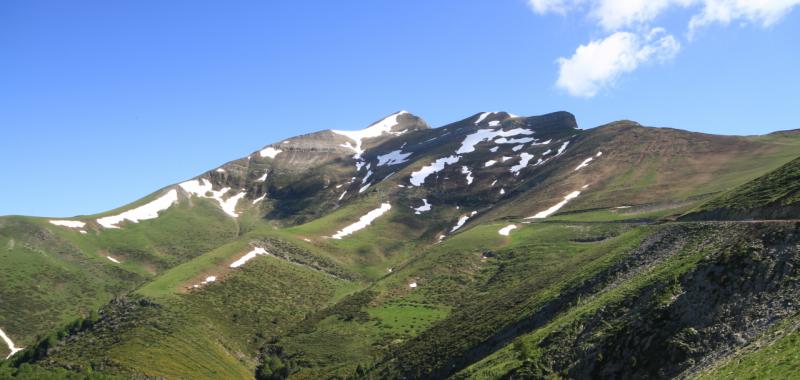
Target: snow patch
209, 279
202, 188
220, 170
364, 221
494, 149
556, 207
249, 256
269, 152
517, 148
11, 347
374, 130
562, 148
584, 164
483, 117
524, 158
412, 285
364, 188
489, 163
523, 140
143, 212
68, 223
463, 219
229, 205
263, 177
342, 196
502, 191
393, 158
418, 177
505, 158
113, 260
465, 170
494, 123
505, 231
259, 199
425, 207
468, 145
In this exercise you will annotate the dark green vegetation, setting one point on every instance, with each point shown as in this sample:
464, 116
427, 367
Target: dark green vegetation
661, 267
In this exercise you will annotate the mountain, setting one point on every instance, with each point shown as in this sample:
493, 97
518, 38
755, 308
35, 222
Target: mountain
497, 246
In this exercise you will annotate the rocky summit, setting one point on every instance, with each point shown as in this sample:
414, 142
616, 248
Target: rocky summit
497, 246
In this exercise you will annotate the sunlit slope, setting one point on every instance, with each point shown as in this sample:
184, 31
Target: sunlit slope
395, 250
51, 275
771, 196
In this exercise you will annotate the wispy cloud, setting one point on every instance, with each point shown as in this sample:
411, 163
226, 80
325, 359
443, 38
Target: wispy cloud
633, 42
763, 12
600, 63
553, 6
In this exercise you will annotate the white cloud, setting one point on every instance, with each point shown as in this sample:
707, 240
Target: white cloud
553, 6
600, 63
764, 12
618, 14
614, 15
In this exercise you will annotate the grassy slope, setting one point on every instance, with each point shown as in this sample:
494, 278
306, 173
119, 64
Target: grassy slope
777, 189
540, 262
452, 277
210, 333
456, 283
592, 324
776, 355
49, 275
659, 168
509, 357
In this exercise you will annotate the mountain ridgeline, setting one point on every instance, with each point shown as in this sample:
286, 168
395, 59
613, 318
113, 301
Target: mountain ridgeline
497, 246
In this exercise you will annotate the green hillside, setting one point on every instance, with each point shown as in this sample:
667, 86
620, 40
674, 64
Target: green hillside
772, 196
497, 246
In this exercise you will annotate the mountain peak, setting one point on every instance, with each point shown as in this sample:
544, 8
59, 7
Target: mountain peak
395, 124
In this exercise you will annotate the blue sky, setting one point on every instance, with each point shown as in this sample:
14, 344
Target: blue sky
104, 102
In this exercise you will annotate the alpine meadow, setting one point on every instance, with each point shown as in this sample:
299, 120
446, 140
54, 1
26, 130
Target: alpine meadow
487, 246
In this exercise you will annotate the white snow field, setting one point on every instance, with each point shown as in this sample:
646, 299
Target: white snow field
425, 207
269, 152
393, 158
364, 221
556, 207
68, 223
249, 256
505, 231
11, 347
202, 187
418, 177
143, 212
463, 219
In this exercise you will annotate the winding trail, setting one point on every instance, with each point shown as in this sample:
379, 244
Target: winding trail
10, 344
